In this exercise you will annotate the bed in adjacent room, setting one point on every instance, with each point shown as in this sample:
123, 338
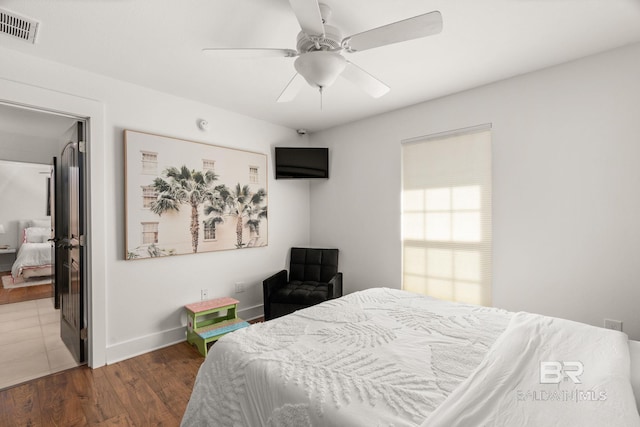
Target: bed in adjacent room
33, 259
384, 357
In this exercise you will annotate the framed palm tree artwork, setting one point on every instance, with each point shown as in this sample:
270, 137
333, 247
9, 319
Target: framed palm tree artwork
185, 197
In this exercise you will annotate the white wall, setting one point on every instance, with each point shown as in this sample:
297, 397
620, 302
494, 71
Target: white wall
566, 188
145, 298
25, 148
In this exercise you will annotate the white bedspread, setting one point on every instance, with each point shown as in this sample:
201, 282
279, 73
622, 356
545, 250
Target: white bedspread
31, 255
507, 388
384, 357
379, 357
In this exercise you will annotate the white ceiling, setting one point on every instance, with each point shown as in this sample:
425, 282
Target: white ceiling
157, 44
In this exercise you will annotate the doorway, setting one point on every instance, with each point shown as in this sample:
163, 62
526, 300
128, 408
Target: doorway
35, 337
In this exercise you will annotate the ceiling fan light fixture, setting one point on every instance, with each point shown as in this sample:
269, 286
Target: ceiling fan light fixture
320, 68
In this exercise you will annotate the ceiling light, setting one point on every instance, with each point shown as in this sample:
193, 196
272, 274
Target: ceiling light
320, 68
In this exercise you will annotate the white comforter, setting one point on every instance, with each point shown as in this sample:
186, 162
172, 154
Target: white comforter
31, 255
380, 357
384, 357
507, 389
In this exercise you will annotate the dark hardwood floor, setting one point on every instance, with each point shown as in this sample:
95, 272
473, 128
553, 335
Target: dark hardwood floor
149, 390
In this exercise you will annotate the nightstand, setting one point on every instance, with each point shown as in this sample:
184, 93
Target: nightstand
5, 263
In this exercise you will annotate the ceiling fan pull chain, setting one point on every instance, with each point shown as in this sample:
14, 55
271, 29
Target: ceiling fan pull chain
320, 98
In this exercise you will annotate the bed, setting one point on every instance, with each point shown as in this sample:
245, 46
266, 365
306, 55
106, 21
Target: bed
33, 258
385, 357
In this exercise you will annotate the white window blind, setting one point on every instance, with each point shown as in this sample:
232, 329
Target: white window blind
446, 215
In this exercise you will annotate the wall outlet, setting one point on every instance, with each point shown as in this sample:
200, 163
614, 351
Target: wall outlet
616, 325
204, 294
239, 287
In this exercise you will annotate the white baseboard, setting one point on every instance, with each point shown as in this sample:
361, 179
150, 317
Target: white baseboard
137, 346
251, 313
142, 345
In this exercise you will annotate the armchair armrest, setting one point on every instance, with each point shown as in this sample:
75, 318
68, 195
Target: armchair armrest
274, 282
335, 286
269, 285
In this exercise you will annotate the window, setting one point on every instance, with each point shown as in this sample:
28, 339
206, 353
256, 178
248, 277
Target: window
149, 233
208, 165
253, 175
149, 195
149, 163
209, 230
446, 216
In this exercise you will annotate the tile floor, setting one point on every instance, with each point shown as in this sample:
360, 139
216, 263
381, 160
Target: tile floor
30, 344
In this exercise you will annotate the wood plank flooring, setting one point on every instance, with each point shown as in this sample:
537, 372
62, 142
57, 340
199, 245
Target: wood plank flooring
149, 390
27, 293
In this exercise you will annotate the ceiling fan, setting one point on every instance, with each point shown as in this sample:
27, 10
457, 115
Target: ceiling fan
319, 58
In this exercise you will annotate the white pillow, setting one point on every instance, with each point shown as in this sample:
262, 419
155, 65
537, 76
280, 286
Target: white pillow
36, 234
40, 223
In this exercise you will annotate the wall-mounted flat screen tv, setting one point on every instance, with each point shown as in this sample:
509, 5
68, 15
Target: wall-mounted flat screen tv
302, 162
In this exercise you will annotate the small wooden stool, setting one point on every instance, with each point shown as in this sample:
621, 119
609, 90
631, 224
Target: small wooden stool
206, 324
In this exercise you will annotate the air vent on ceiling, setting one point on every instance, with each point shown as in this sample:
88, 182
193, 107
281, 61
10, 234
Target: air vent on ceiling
17, 26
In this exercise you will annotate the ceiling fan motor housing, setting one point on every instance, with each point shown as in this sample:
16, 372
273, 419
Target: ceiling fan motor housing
331, 40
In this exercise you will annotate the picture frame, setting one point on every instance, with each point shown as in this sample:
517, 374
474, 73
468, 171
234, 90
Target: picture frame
186, 197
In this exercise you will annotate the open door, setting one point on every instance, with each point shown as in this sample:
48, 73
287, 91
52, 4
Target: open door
71, 257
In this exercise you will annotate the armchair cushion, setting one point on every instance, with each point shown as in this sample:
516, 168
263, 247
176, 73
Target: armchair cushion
298, 292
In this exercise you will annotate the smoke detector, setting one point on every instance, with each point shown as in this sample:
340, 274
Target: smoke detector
19, 27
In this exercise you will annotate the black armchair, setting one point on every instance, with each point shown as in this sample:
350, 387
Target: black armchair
313, 278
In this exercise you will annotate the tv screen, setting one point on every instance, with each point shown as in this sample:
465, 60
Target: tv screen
298, 162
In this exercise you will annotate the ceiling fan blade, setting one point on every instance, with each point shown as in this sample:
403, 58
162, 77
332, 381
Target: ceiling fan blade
308, 14
250, 53
291, 90
364, 80
408, 29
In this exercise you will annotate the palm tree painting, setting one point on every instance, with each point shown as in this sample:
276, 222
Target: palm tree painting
185, 197
248, 208
257, 213
181, 186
